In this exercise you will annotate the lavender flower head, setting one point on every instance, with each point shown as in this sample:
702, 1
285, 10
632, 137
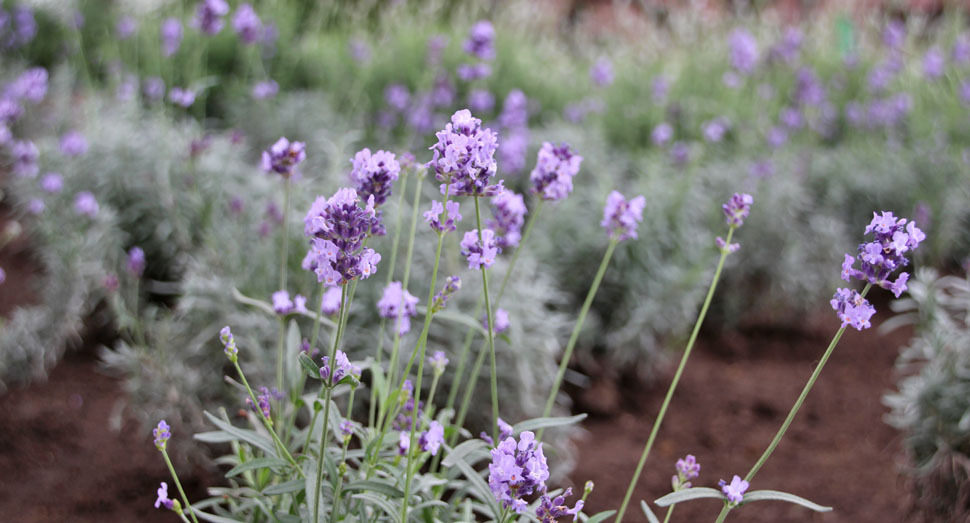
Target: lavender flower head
933, 63
374, 173
513, 150
341, 369
25, 159
229, 342
515, 110
52, 183
182, 97
852, 308
886, 253
480, 254
282, 304
509, 211
552, 177
737, 209
346, 428
438, 362
162, 500
126, 27
734, 490
10, 110
399, 304
433, 217
464, 157
154, 88
432, 439
209, 16
262, 405
481, 100
171, 34
472, 72
397, 96
337, 227
601, 73
715, 129
265, 89
481, 41
85, 204
518, 469
330, 303
687, 469
36, 206
283, 157
500, 321
440, 300
894, 34
550, 510
621, 217
743, 51
136, 262
162, 435
247, 24
31, 85
662, 134
73, 144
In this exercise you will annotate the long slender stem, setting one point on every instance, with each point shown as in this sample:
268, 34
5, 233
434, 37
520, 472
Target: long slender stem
571, 344
673, 384
343, 460
392, 367
178, 485
280, 349
670, 510
328, 391
491, 328
794, 410
286, 216
267, 421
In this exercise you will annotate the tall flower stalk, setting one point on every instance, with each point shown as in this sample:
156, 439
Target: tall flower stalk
735, 210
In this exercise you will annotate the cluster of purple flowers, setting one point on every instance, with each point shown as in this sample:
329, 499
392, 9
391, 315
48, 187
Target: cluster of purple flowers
518, 469
552, 177
337, 227
73, 143
551, 509
852, 308
232, 352
687, 469
161, 434
481, 41
601, 72
374, 174
433, 216
737, 209
183, 97
283, 157
247, 24
265, 89
162, 500
514, 121
440, 300
283, 305
85, 204
52, 183
621, 216
25, 155
743, 51
893, 238
500, 321
398, 304
438, 361
432, 439
464, 157
17, 28
508, 209
209, 16
330, 303
263, 402
480, 253
136, 262
171, 33
734, 490
341, 369
402, 421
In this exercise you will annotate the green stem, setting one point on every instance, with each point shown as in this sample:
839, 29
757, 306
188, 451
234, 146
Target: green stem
392, 367
343, 460
571, 344
673, 384
794, 410
178, 485
267, 422
280, 348
491, 326
328, 391
670, 510
286, 216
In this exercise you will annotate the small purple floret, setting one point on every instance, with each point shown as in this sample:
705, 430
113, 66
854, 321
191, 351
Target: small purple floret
621, 217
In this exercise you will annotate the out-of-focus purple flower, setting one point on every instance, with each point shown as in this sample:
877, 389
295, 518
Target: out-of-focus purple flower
162, 434
854, 113
883, 73
433, 216
403, 443
337, 227
432, 439
24, 158
126, 27
809, 90
662, 134
922, 214
714, 130
551, 509
359, 50
762, 168
26, 27
420, 117
374, 174
398, 304
464, 157
679, 153
283, 157
513, 149
440, 300
734, 490
10, 109
438, 361
894, 34
621, 216
330, 304
282, 304
73, 144
687, 469
481, 41
36, 206
743, 50
776, 137
52, 183
5, 134
500, 321
85, 204
263, 403
247, 24
509, 211
852, 308
209, 16
31, 85
111, 283
154, 88
436, 46
481, 100
660, 88
792, 118
556, 165
961, 50
341, 368
515, 110
77, 20
397, 97
731, 79
894, 237
229, 343
136, 262
788, 48
480, 254
265, 89
127, 88
443, 92
472, 72
171, 34
601, 72
518, 469
162, 499
737, 209
182, 97
933, 63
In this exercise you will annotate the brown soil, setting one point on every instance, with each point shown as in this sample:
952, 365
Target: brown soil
735, 392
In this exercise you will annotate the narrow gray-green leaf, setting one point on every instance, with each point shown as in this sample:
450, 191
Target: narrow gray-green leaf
251, 437
601, 516
484, 493
385, 505
774, 495
214, 518
309, 366
294, 485
544, 423
462, 450
689, 494
292, 350
258, 463
651, 517
375, 486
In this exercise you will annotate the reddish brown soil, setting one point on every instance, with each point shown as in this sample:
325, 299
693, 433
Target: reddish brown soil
733, 396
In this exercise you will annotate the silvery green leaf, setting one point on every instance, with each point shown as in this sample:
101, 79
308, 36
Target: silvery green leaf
286, 487
214, 518
376, 486
482, 491
257, 463
253, 438
544, 423
689, 494
774, 495
651, 517
290, 361
463, 449
596, 518
259, 304
385, 505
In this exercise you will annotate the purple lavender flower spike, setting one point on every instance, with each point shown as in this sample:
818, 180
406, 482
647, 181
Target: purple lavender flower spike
374, 174
687, 469
894, 34
162, 500
662, 134
776, 137
265, 89
879, 259
734, 490
518, 469
31, 85
126, 27
737, 209
247, 24
331, 301
171, 33
282, 304
440, 300
743, 50
552, 177
397, 97
438, 361
715, 129
621, 217
229, 342
509, 211
337, 227
433, 217
73, 144
136, 262
341, 368
162, 435
480, 253
481, 100
933, 63
515, 110
551, 509
346, 428
181, 97
209, 16
25, 159
398, 304
154, 88
464, 157
852, 308
52, 183
513, 149
601, 73
432, 439
403, 443
36, 206
10, 110
500, 320
283, 157
85, 204
472, 72
723, 246
481, 41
